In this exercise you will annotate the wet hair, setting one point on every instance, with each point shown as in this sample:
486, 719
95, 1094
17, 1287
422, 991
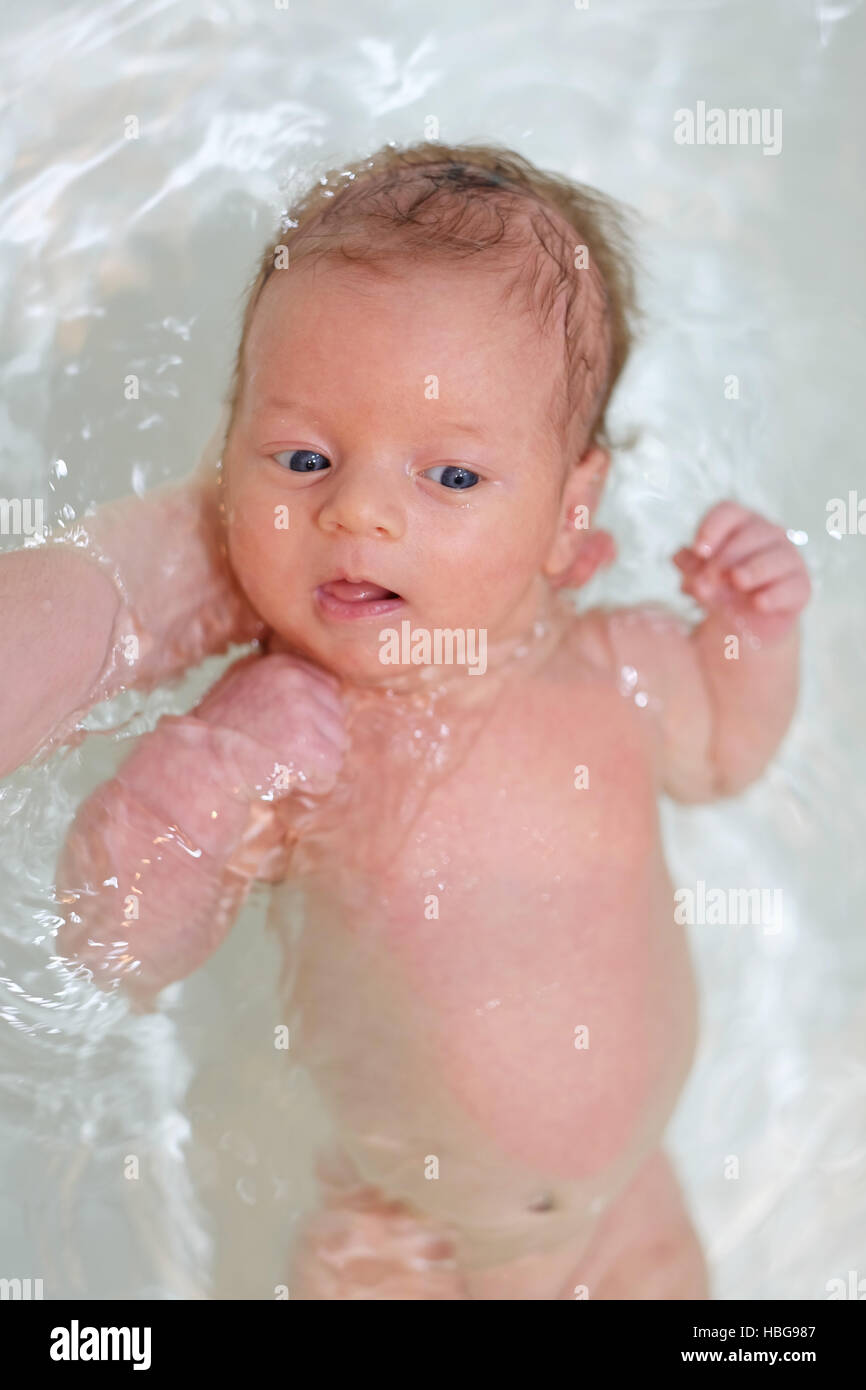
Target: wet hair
565, 247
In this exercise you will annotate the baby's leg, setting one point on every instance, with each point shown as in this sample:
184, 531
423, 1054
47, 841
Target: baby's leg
644, 1247
360, 1245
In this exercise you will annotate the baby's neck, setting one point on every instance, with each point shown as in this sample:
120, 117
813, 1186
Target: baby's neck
535, 635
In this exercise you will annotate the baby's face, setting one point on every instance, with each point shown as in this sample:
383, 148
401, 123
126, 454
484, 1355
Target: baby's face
397, 431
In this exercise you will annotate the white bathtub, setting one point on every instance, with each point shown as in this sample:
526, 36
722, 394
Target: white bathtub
130, 255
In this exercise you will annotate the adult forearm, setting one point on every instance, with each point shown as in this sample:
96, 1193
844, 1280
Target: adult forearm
131, 596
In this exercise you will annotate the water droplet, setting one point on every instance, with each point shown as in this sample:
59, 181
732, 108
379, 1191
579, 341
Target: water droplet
238, 1145
246, 1190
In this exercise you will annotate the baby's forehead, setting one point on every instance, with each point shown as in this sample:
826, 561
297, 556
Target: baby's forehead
455, 312
534, 275
440, 332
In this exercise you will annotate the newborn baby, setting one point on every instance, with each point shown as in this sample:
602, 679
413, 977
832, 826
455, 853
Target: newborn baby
489, 986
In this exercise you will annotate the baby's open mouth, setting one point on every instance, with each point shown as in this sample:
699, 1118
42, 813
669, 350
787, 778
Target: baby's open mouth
356, 598
359, 591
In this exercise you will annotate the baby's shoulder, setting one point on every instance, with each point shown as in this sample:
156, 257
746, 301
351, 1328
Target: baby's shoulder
588, 642
608, 638
641, 650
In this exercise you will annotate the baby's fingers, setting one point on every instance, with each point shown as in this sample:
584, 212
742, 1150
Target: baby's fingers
789, 595
778, 561
687, 561
746, 539
321, 769
717, 526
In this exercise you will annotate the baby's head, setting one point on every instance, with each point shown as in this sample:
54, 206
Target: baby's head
419, 398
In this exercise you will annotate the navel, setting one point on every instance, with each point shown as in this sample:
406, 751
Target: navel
545, 1201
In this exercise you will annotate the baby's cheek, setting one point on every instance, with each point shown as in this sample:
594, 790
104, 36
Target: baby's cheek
514, 559
258, 552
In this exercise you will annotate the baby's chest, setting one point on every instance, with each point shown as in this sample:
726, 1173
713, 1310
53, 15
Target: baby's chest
507, 919
549, 809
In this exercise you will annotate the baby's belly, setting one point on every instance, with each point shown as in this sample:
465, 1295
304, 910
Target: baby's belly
504, 1071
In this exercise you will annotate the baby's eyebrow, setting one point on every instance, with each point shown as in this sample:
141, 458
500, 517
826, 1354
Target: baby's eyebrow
442, 426
277, 403
459, 428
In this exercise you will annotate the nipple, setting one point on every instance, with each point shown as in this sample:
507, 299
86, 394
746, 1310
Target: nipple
545, 1201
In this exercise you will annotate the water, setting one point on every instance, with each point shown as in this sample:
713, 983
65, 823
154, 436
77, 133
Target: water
131, 256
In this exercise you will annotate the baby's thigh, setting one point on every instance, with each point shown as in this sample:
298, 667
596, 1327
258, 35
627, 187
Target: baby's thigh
644, 1247
361, 1245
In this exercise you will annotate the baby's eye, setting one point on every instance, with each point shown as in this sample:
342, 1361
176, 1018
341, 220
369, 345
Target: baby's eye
458, 479
302, 461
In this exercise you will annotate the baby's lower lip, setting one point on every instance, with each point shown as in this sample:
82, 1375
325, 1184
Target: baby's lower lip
337, 608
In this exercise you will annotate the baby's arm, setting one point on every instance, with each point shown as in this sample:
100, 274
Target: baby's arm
160, 858
131, 597
722, 693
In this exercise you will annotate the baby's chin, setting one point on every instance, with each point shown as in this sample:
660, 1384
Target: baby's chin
387, 656
356, 662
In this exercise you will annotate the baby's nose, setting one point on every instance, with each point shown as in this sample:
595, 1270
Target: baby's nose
363, 504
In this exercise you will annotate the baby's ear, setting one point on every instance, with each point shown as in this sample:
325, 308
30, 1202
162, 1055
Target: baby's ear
597, 549
575, 549
591, 473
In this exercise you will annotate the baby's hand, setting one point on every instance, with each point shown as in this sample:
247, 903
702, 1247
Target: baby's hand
291, 712
743, 565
